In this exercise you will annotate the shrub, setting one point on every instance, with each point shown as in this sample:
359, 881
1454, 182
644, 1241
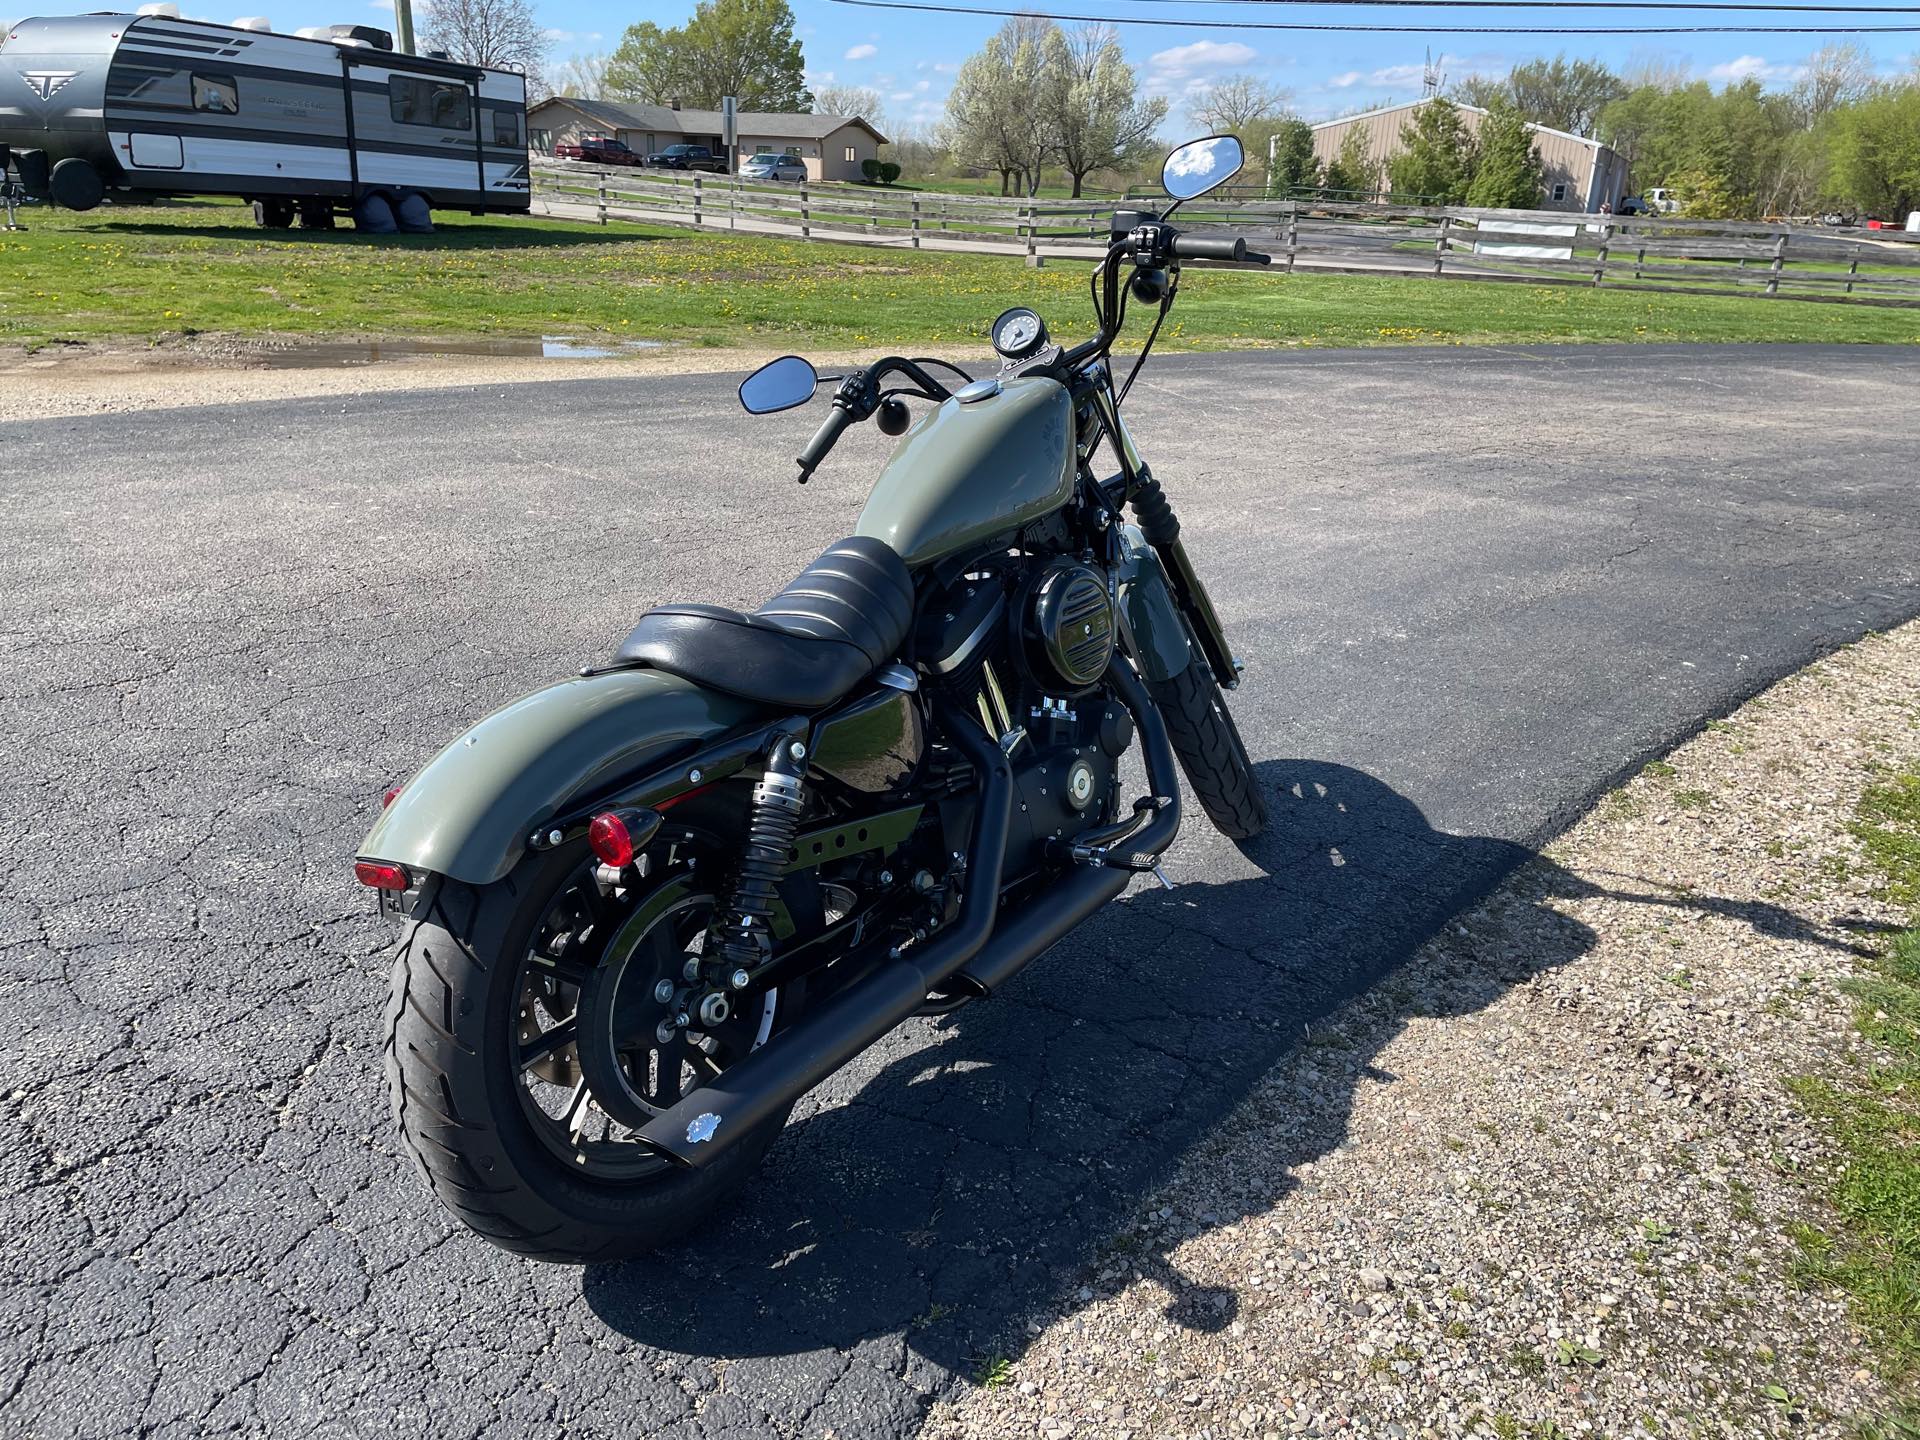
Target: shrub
871, 169
889, 172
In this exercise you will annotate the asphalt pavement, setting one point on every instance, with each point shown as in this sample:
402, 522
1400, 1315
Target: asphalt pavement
1472, 587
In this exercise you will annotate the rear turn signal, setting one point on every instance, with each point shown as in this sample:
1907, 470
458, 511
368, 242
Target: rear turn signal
381, 876
609, 838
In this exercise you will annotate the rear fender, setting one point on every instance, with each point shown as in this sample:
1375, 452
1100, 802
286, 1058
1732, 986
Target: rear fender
1150, 617
471, 812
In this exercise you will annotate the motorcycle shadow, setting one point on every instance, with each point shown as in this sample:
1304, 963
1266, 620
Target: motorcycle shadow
923, 1216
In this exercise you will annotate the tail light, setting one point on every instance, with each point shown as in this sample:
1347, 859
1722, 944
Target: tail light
609, 838
381, 876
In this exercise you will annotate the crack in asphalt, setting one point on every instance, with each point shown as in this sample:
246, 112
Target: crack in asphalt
213, 670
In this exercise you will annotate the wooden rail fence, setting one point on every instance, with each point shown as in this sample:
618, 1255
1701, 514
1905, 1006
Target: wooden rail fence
1636, 252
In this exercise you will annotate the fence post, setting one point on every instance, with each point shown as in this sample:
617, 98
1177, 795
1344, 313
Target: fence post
1779, 261
1440, 244
697, 218
806, 216
1640, 259
1853, 269
1029, 223
603, 196
1600, 263
916, 222
1293, 232
873, 216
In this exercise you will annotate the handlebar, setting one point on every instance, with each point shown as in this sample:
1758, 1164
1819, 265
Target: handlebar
838, 419
1200, 247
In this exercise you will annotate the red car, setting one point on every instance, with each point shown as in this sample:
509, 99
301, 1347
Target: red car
596, 150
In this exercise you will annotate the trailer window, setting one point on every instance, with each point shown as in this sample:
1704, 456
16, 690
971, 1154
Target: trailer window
506, 128
437, 104
150, 85
216, 94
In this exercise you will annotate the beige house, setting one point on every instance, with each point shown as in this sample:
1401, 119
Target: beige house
832, 146
1581, 174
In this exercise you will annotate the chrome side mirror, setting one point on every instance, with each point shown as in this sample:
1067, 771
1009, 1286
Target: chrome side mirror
1202, 165
779, 385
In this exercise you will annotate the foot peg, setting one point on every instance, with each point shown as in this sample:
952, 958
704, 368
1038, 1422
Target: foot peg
1098, 847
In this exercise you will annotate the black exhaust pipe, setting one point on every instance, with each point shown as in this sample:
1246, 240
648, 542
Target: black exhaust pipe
980, 952
706, 1123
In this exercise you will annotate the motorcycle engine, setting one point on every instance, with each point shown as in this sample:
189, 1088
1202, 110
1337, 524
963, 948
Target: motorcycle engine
1069, 626
1025, 646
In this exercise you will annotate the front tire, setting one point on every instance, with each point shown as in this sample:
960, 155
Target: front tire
455, 1067
1211, 751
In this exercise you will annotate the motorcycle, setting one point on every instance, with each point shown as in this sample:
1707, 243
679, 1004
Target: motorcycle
644, 910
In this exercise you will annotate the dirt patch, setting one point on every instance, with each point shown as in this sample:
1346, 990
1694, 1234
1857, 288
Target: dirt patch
1568, 1212
100, 379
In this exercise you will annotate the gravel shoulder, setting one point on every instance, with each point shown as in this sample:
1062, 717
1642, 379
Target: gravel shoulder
125, 379
1564, 1208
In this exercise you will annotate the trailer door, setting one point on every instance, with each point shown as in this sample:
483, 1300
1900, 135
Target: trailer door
416, 130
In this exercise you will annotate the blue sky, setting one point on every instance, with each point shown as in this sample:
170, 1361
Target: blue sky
910, 58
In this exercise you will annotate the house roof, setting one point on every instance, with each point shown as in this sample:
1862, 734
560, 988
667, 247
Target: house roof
665, 119
1458, 105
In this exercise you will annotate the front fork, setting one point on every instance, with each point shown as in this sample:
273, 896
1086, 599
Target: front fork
1160, 528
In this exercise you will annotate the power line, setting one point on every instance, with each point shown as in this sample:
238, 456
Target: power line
955, 9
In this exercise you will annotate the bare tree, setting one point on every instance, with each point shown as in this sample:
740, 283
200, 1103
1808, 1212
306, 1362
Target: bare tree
584, 76
1234, 102
1655, 70
500, 34
849, 100
1835, 75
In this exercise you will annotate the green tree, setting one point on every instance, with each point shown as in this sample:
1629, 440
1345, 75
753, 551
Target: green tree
1509, 175
996, 113
742, 48
1294, 165
1092, 106
1564, 95
1353, 173
1876, 151
1435, 162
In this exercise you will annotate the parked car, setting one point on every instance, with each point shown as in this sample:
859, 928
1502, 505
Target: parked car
596, 150
773, 167
688, 157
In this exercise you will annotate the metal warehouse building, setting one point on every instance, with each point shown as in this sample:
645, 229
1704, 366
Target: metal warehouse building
1581, 174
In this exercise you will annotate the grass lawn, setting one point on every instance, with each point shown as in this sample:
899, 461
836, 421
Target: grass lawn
151, 273
1873, 1253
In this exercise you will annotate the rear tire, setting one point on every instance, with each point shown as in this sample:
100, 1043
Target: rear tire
456, 1091
1211, 751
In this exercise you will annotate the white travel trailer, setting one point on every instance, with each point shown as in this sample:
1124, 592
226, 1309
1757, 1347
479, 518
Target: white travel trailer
307, 126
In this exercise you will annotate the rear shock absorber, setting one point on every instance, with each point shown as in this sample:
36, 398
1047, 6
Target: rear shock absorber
745, 927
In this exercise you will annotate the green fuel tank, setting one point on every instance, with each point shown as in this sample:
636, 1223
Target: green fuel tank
995, 456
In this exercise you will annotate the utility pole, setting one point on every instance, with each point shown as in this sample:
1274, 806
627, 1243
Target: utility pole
403, 26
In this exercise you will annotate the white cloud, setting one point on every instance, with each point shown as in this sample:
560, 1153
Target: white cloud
899, 95
1341, 82
923, 86
1186, 62
559, 37
1753, 67
863, 52
819, 77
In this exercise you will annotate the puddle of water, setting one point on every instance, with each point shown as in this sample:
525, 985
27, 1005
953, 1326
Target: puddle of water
329, 354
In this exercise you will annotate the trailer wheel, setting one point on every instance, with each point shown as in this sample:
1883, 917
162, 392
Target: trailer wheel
76, 185
316, 215
373, 215
413, 213
273, 214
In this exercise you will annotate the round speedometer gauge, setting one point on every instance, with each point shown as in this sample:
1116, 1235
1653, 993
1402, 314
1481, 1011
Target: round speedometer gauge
1018, 333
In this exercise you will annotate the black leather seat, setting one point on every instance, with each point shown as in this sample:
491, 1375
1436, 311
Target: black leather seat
841, 620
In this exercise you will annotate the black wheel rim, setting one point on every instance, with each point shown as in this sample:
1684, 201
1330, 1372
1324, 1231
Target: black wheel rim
571, 947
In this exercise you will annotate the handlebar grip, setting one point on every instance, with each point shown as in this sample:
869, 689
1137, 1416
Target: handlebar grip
837, 420
1199, 247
